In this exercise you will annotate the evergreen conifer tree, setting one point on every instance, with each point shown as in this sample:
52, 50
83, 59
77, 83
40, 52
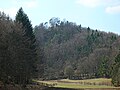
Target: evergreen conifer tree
30, 55
116, 71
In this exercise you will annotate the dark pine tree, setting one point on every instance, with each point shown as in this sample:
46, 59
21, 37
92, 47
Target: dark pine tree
116, 71
23, 19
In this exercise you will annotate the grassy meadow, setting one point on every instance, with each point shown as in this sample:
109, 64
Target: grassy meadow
101, 83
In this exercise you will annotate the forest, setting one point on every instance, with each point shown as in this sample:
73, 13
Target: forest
55, 49
72, 51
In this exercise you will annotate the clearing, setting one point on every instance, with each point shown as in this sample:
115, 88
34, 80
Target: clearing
100, 83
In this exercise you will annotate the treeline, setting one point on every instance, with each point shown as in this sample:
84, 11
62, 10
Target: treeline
72, 50
18, 50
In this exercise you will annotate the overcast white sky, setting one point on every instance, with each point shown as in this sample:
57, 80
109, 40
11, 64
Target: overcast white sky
97, 14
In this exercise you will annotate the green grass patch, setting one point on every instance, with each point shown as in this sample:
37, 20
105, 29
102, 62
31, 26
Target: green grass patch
76, 84
64, 85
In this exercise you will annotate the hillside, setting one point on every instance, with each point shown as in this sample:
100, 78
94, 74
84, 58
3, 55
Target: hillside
58, 50
73, 50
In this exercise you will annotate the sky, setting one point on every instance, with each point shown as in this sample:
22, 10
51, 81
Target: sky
103, 15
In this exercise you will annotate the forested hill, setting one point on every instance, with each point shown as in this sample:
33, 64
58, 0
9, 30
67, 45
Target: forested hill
72, 50
55, 50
